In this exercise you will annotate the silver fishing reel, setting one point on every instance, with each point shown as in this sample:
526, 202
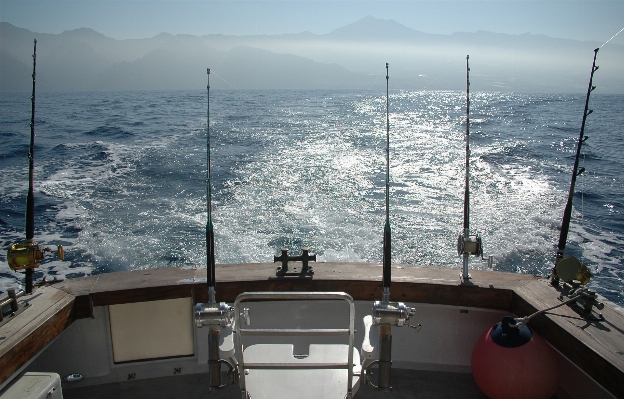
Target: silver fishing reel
470, 244
213, 314
395, 313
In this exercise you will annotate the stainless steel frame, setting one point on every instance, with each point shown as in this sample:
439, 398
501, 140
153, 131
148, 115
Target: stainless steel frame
275, 296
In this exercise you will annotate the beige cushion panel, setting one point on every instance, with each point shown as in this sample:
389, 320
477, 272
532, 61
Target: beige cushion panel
151, 330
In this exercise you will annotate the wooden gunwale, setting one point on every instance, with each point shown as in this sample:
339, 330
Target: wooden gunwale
50, 311
595, 347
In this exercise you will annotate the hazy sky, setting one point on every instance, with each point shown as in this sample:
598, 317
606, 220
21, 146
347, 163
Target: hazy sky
596, 20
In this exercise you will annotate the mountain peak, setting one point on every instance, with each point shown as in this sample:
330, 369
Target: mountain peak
371, 28
84, 33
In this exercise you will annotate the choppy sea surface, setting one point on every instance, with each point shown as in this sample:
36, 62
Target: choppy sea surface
120, 178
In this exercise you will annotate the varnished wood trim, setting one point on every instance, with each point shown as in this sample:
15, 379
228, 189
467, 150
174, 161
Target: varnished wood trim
23, 348
564, 329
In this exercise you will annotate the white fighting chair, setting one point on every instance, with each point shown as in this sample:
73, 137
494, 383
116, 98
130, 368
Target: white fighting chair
273, 371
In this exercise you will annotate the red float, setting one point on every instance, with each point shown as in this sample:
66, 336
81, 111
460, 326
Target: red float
512, 368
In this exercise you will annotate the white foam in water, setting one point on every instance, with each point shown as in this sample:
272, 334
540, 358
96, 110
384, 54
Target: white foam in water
303, 168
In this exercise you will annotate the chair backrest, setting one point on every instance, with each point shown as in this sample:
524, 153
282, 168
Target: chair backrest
240, 331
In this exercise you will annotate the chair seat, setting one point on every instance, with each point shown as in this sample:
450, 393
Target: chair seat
298, 382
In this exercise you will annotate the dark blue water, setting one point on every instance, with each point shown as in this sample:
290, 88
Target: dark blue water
120, 178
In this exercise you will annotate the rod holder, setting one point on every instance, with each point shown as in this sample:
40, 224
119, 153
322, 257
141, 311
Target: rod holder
11, 300
385, 315
215, 316
214, 363
586, 303
385, 359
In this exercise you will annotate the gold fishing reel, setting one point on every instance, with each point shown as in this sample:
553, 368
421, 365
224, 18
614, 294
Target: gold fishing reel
28, 255
569, 269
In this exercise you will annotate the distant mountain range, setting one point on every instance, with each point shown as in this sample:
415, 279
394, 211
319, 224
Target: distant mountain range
352, 56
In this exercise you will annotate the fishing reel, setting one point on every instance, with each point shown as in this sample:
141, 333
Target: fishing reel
575, 276
469, 245
28, 255
213, 314
570, 269
394, 313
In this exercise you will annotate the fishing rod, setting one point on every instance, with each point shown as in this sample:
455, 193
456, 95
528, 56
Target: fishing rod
467, 244
217, 316
387, 240
210, 252
385, 314
28, 255
582, 272
30, 199
467, 188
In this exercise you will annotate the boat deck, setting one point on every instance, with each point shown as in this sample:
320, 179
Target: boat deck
406, 384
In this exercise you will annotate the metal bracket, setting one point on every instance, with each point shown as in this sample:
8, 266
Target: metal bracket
231, 373
368, 374
16, 307
45, 281
585, 303
304, 258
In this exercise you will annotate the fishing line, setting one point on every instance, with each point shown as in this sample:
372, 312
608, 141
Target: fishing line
436, 79
374, 81
219, 76
366, 93
612, 37
236, 88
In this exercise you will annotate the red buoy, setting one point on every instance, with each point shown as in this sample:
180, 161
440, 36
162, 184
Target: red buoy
514, 364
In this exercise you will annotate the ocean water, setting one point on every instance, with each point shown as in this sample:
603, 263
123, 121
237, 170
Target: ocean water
121, 178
